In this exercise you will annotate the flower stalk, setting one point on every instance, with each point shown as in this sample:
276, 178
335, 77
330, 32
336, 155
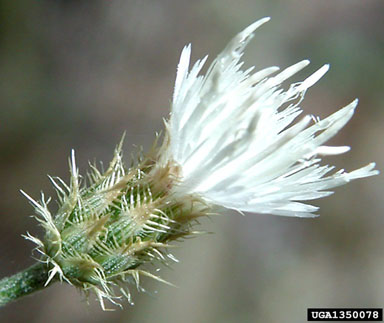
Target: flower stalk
23, 283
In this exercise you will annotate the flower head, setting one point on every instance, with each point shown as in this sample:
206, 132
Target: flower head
235, 136
231, 140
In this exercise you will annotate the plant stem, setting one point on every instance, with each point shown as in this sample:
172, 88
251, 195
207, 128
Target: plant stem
23, 283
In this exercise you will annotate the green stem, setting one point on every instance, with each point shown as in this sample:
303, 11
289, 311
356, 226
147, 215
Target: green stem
23, 283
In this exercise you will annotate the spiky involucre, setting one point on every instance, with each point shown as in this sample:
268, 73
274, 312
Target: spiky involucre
106, 230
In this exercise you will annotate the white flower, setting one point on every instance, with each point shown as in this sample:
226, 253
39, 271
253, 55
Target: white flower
234, 136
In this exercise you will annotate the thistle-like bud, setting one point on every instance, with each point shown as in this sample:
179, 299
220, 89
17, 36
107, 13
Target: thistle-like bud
107, 228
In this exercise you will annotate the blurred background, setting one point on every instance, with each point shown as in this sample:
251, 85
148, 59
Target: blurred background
77, 74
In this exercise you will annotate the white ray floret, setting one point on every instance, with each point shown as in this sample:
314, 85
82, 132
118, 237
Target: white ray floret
235, 137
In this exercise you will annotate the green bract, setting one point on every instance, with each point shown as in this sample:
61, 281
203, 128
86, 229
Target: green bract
105, 230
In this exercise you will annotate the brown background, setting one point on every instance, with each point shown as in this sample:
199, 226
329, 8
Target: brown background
77, 74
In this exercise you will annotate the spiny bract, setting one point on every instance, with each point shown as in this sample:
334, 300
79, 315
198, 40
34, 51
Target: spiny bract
104, 231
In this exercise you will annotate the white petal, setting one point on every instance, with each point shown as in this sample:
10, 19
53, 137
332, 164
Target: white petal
289, 71
308, 82
328, 150
182, 69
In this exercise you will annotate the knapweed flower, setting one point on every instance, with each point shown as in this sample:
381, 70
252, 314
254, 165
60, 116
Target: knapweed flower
234, 139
